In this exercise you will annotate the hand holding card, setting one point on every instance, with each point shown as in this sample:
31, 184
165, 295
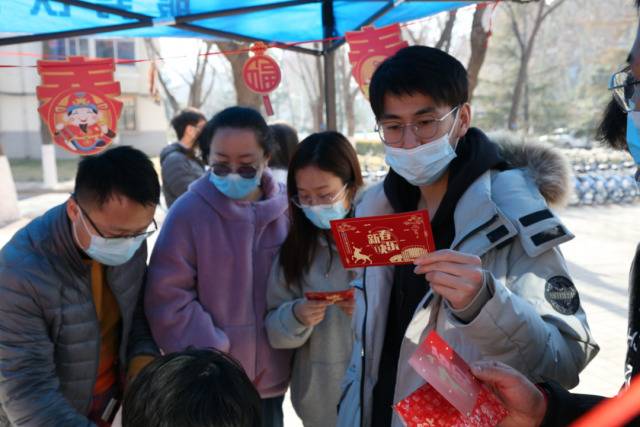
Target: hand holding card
383, 240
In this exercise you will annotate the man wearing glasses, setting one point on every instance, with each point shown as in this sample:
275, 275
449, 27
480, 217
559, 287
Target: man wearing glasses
73, 327
497, 287
528, 406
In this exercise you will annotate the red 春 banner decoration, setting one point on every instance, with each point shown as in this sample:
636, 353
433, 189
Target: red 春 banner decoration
368, 48
78, 104
262, 75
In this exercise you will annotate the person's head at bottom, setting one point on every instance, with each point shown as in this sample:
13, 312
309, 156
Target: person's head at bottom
192, 388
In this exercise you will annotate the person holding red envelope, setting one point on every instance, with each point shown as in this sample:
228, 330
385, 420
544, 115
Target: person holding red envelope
497, 286
307, 276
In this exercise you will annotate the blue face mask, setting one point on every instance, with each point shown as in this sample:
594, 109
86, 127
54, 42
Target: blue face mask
113, 251
633, 135
234, 186
322, 215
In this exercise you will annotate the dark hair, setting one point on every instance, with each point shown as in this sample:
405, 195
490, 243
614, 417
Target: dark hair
419, 69
612, 130
285, 140
187, 117
122, 171
330, 152
192, 388
240, 118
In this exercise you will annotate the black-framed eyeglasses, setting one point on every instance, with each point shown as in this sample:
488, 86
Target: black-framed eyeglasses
146, 234
223, 169
624, 86
392, 132
329, 199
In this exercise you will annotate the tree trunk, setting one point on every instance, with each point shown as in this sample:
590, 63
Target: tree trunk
318, 105
444, 43
517, 93
479, 46
526, 103
526, 49
9, 211
244, 96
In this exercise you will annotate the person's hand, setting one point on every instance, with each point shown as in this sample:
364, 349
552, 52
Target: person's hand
348, 306
310, 313
524, 401
104, 129
455, 276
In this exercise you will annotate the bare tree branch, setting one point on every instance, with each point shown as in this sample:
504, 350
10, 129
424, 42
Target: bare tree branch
152, 50
515, 27
555, 5
444, 42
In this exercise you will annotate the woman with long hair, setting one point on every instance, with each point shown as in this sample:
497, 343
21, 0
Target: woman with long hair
324, 178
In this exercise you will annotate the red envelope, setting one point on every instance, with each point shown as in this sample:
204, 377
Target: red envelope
425, 407
448, 373
332, 297
383, 240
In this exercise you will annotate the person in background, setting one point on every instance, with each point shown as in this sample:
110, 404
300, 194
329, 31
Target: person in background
497, 286
179, 161
323, 182
192, 388
208, 273
286, 140
73, 324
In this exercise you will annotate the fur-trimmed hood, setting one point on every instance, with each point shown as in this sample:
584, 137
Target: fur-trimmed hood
548, 167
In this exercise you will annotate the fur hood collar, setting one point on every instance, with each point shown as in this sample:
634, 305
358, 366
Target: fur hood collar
548, 167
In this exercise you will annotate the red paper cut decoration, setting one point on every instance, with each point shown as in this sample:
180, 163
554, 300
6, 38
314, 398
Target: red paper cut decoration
368, 48
78, 103
261, 74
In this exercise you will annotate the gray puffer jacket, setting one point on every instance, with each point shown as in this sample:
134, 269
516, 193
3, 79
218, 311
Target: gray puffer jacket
179, 170
50, 336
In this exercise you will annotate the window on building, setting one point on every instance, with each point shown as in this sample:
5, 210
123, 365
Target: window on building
125, 49
55, 49
128, 115
78, 47
105, 49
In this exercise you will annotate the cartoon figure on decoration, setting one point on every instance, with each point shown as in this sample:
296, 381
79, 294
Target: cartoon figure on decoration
82, 129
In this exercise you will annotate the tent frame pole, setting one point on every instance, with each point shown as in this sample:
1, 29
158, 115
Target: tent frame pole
329, 31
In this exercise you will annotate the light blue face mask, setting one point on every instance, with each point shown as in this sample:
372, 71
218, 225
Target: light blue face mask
633, 135
424, 164
234, 186
113, 251
322, 215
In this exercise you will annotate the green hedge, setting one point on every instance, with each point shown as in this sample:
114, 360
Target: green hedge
369, 147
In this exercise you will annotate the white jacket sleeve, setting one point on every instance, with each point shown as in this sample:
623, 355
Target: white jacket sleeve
284, 330
534, 322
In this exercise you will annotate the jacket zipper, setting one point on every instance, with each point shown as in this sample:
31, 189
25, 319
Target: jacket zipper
364, 343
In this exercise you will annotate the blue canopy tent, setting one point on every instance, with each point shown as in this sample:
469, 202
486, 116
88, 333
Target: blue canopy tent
270, 21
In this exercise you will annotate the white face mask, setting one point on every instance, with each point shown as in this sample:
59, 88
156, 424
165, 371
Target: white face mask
113, 251
425, 164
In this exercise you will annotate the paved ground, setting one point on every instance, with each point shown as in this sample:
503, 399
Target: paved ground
599, 260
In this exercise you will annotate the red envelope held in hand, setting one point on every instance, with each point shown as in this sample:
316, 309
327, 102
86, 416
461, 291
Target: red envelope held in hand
332, 297
425, 407
383, 240
467, 402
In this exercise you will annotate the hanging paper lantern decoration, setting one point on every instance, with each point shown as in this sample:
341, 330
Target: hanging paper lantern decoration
261, 73
78, 104
368, 48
